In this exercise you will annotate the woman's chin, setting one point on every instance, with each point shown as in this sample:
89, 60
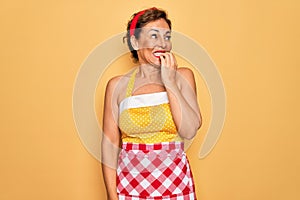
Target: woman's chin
153, 61
156, 62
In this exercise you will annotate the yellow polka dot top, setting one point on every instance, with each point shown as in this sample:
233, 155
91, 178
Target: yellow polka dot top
146, 118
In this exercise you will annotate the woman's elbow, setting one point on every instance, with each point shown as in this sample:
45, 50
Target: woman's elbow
199, 123
188, 134
191, 131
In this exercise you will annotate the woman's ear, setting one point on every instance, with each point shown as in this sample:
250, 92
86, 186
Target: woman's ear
134, 43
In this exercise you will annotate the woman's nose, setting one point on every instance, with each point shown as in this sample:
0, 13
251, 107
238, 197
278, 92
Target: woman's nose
161, 42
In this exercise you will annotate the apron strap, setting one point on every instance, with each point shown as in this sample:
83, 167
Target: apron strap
131, 83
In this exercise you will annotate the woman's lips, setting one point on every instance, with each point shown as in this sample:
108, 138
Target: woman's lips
157, 54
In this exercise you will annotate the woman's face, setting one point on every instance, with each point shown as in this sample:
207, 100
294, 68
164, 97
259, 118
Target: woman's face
154, 39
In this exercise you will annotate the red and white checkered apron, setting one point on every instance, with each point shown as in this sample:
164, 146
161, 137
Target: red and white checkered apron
154, 171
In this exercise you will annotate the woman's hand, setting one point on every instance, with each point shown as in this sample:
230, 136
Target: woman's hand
168, 69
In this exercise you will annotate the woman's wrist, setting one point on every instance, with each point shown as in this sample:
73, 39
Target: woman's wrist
112, 197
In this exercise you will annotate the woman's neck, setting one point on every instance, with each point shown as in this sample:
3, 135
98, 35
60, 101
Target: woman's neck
150, 72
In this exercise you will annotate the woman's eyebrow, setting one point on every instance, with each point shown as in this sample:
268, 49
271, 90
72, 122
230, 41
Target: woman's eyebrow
152, 29
156, 30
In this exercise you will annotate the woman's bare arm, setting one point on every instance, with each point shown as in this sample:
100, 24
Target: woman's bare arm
110, 141
181, 88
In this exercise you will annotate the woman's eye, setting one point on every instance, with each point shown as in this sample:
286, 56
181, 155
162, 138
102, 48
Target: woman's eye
168, 37
154, 36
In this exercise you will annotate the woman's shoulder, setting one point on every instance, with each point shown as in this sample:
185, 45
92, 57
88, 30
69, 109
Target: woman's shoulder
114, 81
186, 73
186, 78
118, 83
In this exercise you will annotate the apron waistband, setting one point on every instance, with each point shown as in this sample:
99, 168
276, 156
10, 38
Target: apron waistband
156, 146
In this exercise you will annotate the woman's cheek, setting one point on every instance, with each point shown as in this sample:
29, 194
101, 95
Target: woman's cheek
169, 46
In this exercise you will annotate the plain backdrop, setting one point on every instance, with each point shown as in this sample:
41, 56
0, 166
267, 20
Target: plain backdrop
255, 45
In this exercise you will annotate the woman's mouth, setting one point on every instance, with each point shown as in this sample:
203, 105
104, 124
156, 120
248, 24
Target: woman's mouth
157, 54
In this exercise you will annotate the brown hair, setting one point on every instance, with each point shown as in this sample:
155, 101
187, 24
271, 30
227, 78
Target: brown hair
149, 16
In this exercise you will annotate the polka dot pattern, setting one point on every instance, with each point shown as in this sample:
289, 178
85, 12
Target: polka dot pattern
149, 124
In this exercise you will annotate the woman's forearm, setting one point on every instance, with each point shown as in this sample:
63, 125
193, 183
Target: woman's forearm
183, 100
185, 113
109, 175
109, 165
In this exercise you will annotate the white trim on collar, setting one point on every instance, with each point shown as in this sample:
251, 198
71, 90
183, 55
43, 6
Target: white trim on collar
143, 100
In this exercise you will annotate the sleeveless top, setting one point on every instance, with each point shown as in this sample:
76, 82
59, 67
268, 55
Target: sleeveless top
146, 118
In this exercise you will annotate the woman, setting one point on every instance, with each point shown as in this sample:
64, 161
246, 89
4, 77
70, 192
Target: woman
148, 112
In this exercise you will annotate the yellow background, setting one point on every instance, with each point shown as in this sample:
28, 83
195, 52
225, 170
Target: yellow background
255, 45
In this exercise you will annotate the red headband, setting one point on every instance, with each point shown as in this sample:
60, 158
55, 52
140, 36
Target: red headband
135, 20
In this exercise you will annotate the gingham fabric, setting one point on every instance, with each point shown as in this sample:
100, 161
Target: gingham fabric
154, 171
